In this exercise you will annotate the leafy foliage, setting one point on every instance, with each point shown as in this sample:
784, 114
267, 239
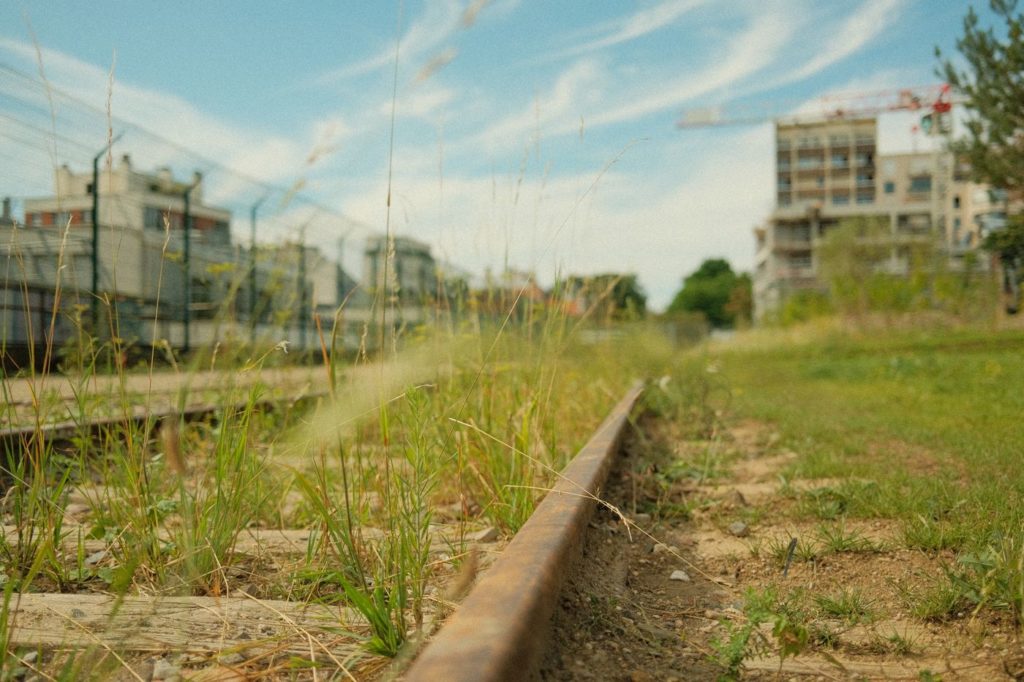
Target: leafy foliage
615, 296
993, 86
716, 291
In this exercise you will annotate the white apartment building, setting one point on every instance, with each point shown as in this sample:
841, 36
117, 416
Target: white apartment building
828, 171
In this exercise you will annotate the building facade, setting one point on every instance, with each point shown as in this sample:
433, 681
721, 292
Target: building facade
831, 171
140, 264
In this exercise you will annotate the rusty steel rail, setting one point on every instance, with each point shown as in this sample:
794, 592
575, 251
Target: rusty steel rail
499, 630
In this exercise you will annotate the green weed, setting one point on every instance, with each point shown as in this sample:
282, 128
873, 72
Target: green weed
837, 539
849, 605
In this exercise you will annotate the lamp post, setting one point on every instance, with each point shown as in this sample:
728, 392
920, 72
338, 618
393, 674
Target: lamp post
187, 226
96, 231
302, 288
252, 267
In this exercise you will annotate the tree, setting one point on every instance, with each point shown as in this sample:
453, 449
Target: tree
717, 292
993, 87
611, 295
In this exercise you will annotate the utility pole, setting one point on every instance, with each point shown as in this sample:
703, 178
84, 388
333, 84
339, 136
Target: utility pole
187, 226
302, 288
252, 268
95, 289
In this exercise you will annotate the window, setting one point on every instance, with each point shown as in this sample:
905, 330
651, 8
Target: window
956, 202
841, 199
889, 187
800, 261
808, 162
865, 198
153, 218
921, 184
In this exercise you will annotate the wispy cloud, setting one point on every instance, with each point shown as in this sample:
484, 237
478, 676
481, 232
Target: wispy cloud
429, 33
748, 53
574, 89
588, 95
633, 26
869, 21
181, 125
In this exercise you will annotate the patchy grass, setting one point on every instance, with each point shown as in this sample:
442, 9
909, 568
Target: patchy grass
922, 428
389, 478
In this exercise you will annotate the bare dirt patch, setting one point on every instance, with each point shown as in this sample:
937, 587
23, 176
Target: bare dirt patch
851, 584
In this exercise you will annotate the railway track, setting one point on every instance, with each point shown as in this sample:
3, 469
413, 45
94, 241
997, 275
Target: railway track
497, 632
500, 630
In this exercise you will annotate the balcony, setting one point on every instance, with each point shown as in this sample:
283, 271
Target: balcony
810, 194
812, 142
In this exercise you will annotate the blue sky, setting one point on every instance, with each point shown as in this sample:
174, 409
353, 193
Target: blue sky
535, 133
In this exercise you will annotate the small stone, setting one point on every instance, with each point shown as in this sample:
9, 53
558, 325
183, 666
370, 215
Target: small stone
734, 499
165, 670
655, 631
30, 657
641, 518
662, 548
739, 529
96, 557
489, 534
680, 575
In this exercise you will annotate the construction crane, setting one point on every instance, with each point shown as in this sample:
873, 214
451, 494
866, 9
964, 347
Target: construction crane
934, 101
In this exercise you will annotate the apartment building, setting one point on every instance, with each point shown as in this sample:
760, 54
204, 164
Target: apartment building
829, 171
138, 259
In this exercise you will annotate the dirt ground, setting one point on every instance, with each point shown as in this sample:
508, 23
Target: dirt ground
659, 600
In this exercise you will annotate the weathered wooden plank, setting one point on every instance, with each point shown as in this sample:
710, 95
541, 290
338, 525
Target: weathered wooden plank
256, 541
181, 624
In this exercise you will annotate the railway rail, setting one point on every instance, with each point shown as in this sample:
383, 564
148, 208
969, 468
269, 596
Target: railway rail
497, 632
